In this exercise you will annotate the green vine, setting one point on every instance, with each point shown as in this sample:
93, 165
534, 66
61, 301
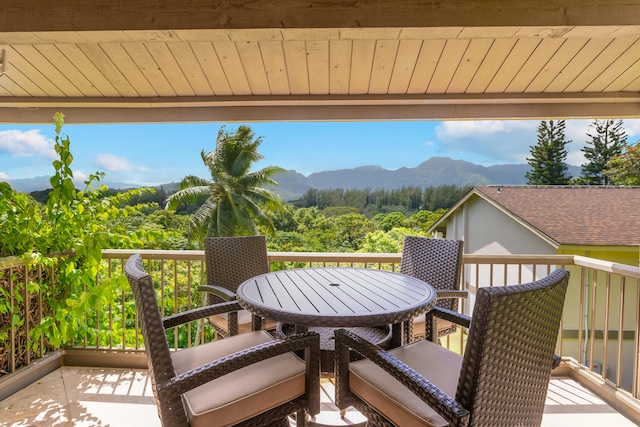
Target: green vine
66, 237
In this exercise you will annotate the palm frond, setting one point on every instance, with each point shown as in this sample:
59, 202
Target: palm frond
186, 196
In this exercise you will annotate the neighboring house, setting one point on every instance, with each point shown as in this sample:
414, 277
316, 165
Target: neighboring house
598, 222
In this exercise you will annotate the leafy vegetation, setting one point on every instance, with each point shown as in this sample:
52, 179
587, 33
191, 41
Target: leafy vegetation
625, 168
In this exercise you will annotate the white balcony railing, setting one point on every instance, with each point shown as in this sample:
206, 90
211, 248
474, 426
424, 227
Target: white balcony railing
599, 333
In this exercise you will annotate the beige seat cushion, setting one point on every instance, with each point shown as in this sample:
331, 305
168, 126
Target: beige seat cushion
418, 326
244, 322
384, 393
244, 393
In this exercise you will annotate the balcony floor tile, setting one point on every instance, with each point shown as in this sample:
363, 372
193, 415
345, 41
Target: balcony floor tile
78, 396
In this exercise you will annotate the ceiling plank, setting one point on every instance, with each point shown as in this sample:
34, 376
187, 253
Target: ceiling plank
232, 66
10, 88
405, 65
494, 59
448, 64
167, 63
40, 83
512, 64
361, 63
534, 64
469, 65
65, 66
611, 74
122, 60
88, 69
253, 66
190, 67
275, 67
295, 52
138, 52
426, 65
600, 63
626, 80
384, 60
555, 65
339, 66
101, 61
212, 68
574, 67
318, 65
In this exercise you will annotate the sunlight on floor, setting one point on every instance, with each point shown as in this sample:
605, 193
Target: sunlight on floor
74, 396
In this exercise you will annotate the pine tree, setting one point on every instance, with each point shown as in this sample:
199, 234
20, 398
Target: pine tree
607, 142
548, 157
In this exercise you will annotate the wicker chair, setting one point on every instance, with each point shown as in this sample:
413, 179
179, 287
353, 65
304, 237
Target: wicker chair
249, 379
229, 262
439, 263
501, 380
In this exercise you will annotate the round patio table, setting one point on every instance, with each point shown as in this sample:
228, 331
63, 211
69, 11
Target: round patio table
337, 297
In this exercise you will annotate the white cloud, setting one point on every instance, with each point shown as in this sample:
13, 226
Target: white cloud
113, 163
487, 142
475, 128
26, 144
492, 142
4, 177
80, 176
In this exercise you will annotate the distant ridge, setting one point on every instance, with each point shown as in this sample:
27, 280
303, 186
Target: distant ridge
433, 172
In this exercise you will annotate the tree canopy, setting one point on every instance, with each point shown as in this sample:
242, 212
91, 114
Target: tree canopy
236, 198
607, 142
548, 157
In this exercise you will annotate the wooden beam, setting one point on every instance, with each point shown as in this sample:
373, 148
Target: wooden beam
445, 111
28, 16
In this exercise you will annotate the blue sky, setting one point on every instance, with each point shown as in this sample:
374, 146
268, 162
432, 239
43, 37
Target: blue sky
151, 154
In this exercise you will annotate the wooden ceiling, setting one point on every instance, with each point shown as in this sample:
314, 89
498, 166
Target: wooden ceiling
202, 60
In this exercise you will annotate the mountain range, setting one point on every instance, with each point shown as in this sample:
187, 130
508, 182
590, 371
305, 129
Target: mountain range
433, 172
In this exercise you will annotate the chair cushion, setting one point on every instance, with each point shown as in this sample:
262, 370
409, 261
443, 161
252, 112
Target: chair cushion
384, 393
244, 393
419, 326
244, 322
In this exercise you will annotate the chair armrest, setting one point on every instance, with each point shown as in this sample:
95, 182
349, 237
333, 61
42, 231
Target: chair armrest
450, 315
442, 403
451, 293
200, 313
308, 341
557, 360
218, 291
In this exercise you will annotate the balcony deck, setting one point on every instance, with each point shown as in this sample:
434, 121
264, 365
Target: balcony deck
79, 396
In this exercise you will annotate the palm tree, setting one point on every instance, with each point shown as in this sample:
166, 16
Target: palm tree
235, 197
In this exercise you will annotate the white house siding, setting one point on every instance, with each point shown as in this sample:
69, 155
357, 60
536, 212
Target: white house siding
487, 230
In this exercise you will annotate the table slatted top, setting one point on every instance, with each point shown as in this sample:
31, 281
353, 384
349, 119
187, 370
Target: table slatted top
336, 296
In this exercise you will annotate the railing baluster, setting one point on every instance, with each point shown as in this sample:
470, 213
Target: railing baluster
605, 340
27, 310
620, 332
581, 317
636, 343
12, 328
592, 326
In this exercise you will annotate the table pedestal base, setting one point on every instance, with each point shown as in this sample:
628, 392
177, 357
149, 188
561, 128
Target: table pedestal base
329, 415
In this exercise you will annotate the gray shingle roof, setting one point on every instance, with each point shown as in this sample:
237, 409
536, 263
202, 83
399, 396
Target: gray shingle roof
574, 215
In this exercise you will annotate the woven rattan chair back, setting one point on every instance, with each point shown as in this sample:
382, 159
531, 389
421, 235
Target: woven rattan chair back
435, 261
509, 353
170, 407
232, 260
